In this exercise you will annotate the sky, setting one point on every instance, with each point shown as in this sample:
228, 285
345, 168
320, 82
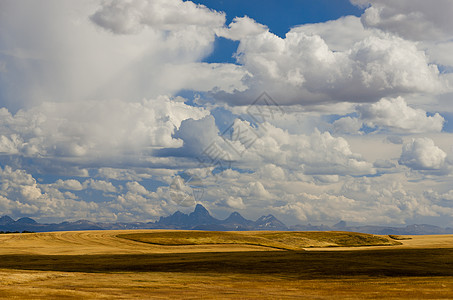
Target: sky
313, 111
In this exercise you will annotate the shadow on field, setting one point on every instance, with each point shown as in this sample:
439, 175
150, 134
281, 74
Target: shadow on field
401, 262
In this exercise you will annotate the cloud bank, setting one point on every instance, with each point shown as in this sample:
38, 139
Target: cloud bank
104, 103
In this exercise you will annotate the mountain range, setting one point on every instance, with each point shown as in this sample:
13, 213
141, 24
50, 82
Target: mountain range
201, 219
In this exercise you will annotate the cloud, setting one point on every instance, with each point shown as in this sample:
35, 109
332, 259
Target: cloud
422, 154
393, 139
136, 188
256, 189
17, 184
395, 115
347, 125
204, 77
100, 185
87, 91
11, 144
197, 135
271, 171
104, 129
385, 199
315, 154
384, 164
21, 195
396, 200
242, 28
234, 202
338, 34
130, 17
412, 19
109, 139
418, 20
389, 115
67, 57
303, 69
440, 53
121, 174
440, 197
267, 148
70, 184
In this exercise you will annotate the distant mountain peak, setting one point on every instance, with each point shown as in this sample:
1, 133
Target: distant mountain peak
340, 225
6, 220
236, 221
270, 222
200, 209
235, 216
201, 219
26, 220
201, 216
266, 218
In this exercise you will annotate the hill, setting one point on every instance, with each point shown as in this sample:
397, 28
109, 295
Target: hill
277, 240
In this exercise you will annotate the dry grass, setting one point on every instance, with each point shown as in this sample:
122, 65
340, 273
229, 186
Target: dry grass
277, 240
98, 242
163, 285
101, 265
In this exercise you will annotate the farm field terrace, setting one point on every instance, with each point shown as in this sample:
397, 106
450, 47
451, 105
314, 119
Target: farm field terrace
114, 264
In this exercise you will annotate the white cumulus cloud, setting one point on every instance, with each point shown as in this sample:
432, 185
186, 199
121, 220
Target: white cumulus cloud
242, 28
126, 17
422, 154
395, 115
97, 128
302, 69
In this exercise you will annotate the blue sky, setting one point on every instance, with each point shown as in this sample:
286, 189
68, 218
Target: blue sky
279, 18
107, 107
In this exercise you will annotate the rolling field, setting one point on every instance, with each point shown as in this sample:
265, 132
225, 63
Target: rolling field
193, 265
276, 240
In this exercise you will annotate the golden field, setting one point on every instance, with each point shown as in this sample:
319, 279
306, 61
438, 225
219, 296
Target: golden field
160, 264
